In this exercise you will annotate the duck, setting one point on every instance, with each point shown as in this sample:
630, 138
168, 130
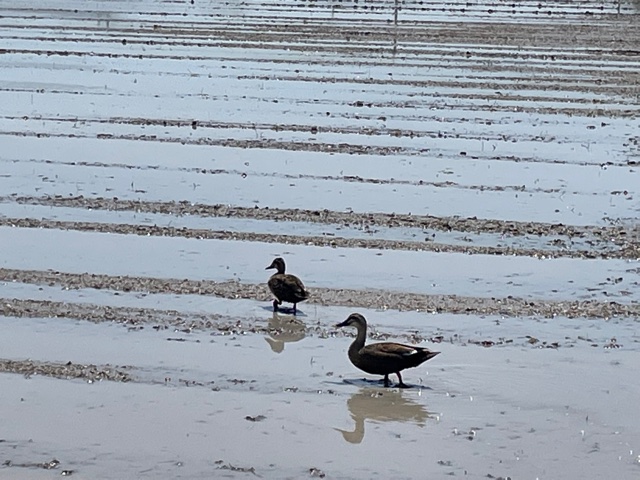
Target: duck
285, 287
383, 358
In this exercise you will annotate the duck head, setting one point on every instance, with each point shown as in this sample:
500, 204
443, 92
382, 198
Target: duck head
278, 264
354, 320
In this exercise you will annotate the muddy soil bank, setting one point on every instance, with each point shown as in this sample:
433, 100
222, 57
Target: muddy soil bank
604, 242
507, 306
67, 370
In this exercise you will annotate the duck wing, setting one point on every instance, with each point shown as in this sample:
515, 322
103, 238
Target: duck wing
390, 350
287, 287
389, 357
296, 286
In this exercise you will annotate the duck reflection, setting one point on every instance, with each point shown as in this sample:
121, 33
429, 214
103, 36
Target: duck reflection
382, 405
284, 329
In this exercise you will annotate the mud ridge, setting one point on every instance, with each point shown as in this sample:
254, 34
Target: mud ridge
606, 242
130, 316
358, 179
135, 318
322, 241
68, 370
374, 299
181, 325
603, 79
294, 146
299, 176
291, 33
471, 225
624, 90
344, 130
590, 109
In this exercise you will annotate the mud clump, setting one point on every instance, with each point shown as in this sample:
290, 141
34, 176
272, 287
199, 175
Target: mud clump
91, 373
227, 466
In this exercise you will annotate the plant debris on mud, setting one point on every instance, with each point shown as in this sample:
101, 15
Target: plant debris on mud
90, 373
381, 299
605, 242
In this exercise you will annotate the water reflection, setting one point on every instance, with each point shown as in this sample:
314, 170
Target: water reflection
382, 405
284, 329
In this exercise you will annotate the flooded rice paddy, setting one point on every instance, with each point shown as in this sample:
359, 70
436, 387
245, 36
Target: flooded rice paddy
465, 174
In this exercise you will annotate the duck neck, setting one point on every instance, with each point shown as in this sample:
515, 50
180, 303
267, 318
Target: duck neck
361, 337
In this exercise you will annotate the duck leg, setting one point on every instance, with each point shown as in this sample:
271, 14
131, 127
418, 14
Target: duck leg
401, 384
294, 309
386, 381
276, 302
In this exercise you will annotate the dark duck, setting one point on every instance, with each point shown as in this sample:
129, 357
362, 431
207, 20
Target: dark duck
285, 287
383, 358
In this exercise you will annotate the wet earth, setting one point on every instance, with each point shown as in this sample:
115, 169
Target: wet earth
464, 174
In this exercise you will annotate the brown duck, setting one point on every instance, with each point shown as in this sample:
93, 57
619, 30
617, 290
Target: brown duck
285, 287
383, 358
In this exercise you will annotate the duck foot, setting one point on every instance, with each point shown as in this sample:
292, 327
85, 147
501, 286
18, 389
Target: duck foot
401, 384
275, 305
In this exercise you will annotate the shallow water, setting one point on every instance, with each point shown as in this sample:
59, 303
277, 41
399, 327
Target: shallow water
483, 411
423, 272
463, 174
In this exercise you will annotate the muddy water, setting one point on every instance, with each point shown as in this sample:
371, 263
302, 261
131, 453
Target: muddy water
464, 174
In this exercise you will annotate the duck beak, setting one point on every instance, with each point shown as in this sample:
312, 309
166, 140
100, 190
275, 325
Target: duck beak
340, 325
270, 267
